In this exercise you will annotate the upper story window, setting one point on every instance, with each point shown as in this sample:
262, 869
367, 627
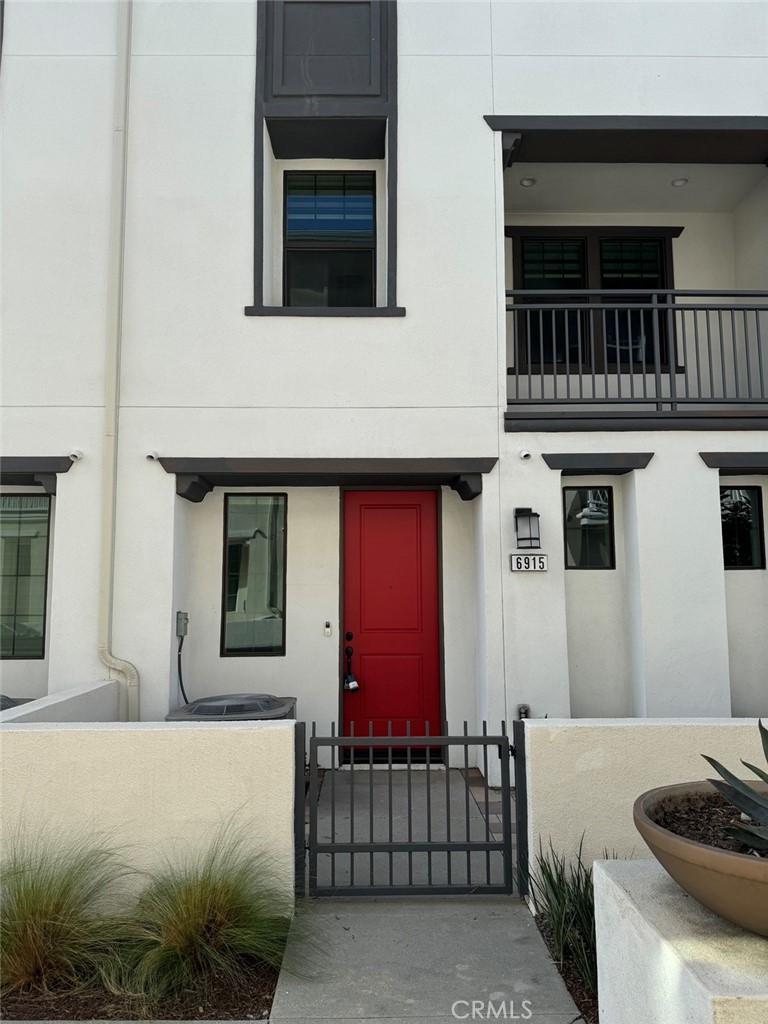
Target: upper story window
741, 512
253, 599
24, 530
329, 238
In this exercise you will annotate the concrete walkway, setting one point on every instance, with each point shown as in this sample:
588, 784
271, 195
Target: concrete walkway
420, 961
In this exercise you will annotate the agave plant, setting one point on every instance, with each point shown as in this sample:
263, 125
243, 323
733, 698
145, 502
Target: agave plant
746, 799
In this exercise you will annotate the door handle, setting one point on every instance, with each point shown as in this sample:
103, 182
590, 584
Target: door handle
350, 683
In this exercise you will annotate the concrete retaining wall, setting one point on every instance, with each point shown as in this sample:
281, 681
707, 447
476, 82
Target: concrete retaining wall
584, 775
155, 789
94, 702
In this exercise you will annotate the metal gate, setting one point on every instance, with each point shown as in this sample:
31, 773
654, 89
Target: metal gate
408, 815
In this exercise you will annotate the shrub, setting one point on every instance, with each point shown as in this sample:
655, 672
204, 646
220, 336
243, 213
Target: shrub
746, 799
212, 916
54, 933
563, 896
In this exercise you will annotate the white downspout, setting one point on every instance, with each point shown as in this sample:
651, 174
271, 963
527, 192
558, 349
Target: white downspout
128, 707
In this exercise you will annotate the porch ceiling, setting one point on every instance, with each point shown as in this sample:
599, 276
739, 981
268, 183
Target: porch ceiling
628, 187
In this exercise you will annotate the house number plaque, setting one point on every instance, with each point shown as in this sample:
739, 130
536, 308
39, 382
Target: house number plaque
528, 563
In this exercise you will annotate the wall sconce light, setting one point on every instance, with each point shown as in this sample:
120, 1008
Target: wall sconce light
527, 528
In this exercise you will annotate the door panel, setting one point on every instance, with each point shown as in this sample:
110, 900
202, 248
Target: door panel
391, 609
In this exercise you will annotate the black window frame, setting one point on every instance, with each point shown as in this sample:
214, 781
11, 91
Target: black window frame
251, 652
42, 656
330, 245
592, 237
611, 528
759, 513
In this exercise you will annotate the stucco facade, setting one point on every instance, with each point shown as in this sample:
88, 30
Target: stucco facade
665, 633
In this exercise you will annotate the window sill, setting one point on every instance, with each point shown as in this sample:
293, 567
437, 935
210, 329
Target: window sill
345, 311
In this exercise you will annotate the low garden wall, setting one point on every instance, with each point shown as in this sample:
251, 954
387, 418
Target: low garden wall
582, 776
155, 789
92, 702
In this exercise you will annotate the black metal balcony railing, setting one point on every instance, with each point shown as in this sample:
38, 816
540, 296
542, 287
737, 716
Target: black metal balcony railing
662, 349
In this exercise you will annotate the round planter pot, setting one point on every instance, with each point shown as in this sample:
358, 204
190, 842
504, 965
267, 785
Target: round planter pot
733, 885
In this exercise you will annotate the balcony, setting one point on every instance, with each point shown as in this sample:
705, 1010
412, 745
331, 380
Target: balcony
659, 354
635, 254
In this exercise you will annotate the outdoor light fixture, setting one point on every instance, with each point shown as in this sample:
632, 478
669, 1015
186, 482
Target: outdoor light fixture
527, 182
527, 528
679, 182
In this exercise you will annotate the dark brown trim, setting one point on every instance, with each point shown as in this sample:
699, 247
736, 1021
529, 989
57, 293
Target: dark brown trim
252, 653
606, 463
599, 139
468, 486
611, 532
591, 231
379, 311
344, 108
572, 421
28, 471
196, 477
736, 463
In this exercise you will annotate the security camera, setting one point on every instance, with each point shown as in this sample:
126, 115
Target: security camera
524, 453
75, 454
152, 456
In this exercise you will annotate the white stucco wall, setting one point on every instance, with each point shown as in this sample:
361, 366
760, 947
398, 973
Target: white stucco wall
584, 776
201, 379
751, 228
94, 702
153, 789
661, 956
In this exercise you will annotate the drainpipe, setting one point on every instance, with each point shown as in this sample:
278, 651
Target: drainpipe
128, 677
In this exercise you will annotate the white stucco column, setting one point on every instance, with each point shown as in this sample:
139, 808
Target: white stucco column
145, 554
73, 569
535, 627
676, 588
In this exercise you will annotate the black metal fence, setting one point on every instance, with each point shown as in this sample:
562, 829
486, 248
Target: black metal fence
422, 819
662, 349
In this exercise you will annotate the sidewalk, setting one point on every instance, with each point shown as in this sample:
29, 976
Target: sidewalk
422, 961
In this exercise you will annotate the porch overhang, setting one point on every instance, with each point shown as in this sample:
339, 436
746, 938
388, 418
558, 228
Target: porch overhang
196, 477
736, 463
33, 470
687, 140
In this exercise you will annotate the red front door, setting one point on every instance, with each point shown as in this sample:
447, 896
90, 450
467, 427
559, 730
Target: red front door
391, 611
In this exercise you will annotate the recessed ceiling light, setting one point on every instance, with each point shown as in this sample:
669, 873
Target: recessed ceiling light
527, 182
679, 182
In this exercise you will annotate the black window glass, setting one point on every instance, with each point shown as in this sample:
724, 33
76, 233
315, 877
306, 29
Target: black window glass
741, 514
557, 264
329, 277
588, 514
24, 530
636, 264
254, 577
631, 263
330, 238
